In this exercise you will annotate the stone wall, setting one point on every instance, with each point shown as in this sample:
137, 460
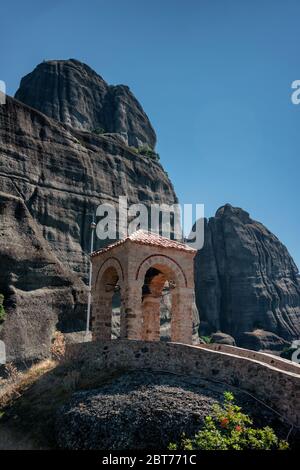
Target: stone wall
276, 388
279, 363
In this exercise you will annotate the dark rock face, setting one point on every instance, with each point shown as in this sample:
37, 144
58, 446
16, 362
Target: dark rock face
63, 175
41, 293
144, 410
72, 93
260, 339
60, 175
246, 279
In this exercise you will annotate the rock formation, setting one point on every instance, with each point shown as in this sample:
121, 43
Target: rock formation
246, 281
61, 174
72, 93
58, 166
41, 294
145, 410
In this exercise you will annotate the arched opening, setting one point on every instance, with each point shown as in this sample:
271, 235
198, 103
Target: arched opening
159, 281
107, 314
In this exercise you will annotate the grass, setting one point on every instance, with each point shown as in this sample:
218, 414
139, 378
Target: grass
28, 405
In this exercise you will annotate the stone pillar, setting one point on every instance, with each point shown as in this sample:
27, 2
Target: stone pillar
182, 315
131, 319
151, 318
102, 316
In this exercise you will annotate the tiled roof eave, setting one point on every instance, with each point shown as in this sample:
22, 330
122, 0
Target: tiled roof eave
146, 239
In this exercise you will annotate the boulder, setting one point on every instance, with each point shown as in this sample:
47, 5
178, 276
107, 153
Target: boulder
145, 410
258, 340
222, 338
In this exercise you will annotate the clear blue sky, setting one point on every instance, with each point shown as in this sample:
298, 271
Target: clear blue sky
214, 76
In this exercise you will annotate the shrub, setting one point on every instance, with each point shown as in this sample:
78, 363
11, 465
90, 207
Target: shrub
2, 311
134, 150
230, 429
148, 152
206, 339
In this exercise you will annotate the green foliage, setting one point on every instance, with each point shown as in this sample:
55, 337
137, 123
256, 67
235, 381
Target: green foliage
2, 311
148, 152
206, 339
134, 150
228, 428
98, 131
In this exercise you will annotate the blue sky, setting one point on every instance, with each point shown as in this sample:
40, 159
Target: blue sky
214, 76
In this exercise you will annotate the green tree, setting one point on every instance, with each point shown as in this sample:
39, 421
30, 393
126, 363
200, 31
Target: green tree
228, 428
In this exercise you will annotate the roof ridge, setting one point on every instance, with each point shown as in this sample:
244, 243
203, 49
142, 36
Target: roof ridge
147, 238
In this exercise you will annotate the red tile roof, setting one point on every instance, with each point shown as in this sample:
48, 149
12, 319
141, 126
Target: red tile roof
147, 238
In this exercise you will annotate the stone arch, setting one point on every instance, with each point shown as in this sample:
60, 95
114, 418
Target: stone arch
109, 277
159, 272
166, 264
110, 262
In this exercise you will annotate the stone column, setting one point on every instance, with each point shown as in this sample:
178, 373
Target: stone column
151, 318
182, 315
101, 329
131, 318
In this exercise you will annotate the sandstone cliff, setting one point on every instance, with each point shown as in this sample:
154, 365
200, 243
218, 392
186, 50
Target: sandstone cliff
71, 92
246, 282
59, 176
41, 294
55, 165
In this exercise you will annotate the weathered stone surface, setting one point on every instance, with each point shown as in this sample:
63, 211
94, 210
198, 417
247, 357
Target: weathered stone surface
246, 279
62, 175
41, 293
222, 338
165, 320
144, 410
71, 92
262, 340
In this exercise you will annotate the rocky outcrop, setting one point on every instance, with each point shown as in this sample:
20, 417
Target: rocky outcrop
63, 175
222, 338
72, 93
258, 340
60, 175
246, 279
41, 294
145, 410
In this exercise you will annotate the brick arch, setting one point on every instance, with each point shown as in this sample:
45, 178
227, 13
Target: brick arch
111, 262
163, 260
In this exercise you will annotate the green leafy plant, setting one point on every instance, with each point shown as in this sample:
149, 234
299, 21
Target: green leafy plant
2, 311
228, 428
206, 339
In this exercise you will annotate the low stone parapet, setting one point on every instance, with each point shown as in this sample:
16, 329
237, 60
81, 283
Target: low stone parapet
276, 388
278, 362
